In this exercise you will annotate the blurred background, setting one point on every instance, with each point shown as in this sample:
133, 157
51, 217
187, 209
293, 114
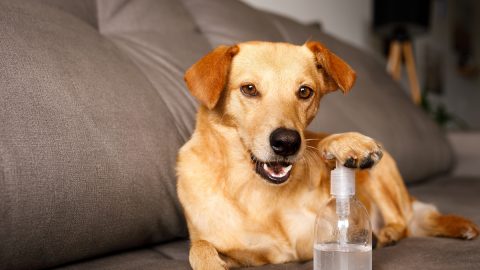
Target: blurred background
445, 38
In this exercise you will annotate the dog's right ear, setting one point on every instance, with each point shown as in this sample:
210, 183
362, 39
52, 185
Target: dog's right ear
207, 78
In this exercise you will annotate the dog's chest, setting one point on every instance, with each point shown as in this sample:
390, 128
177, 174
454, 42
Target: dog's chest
288, 230
284, 238
299, 227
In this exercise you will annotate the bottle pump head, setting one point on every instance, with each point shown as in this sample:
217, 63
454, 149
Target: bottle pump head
342, 181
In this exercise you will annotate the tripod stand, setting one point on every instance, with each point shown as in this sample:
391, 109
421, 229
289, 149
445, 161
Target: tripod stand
401, 48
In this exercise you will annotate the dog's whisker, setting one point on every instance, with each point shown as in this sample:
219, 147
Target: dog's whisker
313, 147
315, 155
315, 151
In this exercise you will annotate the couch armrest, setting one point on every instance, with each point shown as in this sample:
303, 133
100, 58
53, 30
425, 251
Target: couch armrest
466, 147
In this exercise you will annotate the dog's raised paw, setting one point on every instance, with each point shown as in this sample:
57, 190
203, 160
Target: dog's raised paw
351, 149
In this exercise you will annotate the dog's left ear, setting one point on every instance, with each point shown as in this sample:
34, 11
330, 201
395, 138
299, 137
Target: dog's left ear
337, 73
207, 78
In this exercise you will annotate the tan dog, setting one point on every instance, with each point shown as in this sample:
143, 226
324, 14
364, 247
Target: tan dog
252, 179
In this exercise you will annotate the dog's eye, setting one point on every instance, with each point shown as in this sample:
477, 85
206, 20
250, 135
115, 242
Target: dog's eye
249, 90
304, 92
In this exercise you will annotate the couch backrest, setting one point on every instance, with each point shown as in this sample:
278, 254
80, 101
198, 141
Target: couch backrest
93, 110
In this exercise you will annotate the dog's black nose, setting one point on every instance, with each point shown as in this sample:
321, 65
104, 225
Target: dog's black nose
285, 142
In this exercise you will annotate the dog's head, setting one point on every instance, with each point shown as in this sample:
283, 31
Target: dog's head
269, 92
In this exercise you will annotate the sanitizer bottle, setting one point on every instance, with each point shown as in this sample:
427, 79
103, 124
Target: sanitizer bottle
343, 233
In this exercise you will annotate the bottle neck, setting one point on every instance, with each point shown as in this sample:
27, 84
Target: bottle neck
343, 197
343, 205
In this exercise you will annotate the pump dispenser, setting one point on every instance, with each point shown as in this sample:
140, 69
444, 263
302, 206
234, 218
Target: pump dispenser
343, 234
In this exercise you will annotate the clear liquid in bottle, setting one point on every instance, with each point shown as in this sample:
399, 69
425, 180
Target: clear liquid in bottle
348, 257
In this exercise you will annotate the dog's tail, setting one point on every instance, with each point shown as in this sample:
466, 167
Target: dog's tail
428, 221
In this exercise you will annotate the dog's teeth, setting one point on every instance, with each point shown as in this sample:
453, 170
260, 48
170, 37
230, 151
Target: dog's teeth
265, 167
288, 168
281, 173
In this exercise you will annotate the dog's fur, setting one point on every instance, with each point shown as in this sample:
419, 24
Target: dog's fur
235, 216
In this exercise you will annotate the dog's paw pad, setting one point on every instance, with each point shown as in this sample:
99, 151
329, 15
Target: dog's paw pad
367, 162
350, 163
370, 160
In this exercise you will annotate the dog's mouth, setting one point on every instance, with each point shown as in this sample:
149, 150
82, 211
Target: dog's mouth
276, 172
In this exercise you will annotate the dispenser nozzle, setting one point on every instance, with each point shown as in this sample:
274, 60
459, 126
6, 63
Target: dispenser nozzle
342, 181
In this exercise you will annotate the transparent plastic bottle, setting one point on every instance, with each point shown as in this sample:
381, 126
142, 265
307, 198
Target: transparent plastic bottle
343, 233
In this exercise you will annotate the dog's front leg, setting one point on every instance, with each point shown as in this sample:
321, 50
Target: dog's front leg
204, 256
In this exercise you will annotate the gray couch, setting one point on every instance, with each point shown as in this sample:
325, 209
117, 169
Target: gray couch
93, 109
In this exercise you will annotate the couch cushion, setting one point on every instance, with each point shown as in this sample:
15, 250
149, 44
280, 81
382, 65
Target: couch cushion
466, 148
429, 254
377, 106
88, 145
451, 195
163, 41
85, 10
412, 253
172, 255
229, 22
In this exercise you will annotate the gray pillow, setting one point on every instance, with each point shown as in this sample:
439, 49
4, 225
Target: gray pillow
87, 141
376, 106
230, 22
161, 38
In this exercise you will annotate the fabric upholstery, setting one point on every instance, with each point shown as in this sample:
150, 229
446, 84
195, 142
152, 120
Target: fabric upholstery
429, 254
413, 253
173, 255
230, 22
451, 195
87, 148
466, 148
376, 106
85, 10
163, 41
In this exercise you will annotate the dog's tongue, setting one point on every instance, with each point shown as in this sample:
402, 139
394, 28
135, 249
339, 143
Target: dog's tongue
277, 169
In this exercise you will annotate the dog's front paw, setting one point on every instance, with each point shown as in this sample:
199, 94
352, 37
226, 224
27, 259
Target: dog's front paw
204, 256
391, 234
351, 149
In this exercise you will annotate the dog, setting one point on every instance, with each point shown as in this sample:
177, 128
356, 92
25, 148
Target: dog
252, 179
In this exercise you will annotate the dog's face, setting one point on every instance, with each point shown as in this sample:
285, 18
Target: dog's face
269, 92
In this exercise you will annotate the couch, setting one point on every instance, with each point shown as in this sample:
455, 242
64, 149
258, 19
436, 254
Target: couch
93, 110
